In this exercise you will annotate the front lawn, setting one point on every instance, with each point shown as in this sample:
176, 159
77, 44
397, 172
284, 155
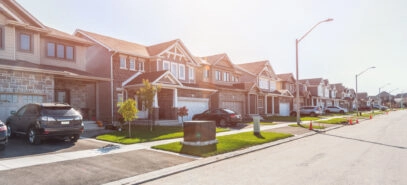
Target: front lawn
228, 143
334, 121
143, 134
314, 126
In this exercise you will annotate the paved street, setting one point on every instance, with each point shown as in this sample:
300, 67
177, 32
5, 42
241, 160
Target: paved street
373, 152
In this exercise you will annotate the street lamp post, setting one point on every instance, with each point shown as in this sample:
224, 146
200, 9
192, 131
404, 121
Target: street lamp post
380, 99
297, 41
356, 95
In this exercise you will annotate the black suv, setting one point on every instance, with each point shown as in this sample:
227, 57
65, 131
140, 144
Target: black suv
38, 121
221, 116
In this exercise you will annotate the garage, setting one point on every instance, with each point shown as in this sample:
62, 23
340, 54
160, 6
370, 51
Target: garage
236, 106
284, 109
194, 106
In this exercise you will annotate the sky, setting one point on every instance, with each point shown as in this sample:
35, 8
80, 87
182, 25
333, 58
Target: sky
363, 34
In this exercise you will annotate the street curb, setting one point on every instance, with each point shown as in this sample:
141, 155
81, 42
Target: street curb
154, 175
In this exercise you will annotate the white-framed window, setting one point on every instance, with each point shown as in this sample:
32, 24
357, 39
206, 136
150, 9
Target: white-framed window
233, 78
236, 79
218, 75
191, 73
263, 83
181, 71
120, 97
273, 85
141, 65
174, 69
205, 73
226, 76
132, 65
166, 65
122, 62
50, 49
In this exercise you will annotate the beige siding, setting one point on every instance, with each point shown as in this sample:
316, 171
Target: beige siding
34, 55
79, 63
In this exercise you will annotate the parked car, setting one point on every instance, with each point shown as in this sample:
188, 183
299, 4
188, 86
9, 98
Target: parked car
221, 116
38, 121
380, 107
335, 109
309, 110
3, 135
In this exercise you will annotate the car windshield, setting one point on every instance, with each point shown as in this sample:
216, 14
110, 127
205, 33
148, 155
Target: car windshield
59, 111
229, 111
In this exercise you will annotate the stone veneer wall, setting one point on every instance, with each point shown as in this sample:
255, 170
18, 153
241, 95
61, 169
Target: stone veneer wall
77, 92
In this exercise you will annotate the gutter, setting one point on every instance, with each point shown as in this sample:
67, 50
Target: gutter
111, 83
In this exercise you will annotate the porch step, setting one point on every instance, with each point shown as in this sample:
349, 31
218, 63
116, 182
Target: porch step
91, 125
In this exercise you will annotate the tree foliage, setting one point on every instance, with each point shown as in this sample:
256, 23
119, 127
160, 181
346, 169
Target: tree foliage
147, 94
182, 111
128, 111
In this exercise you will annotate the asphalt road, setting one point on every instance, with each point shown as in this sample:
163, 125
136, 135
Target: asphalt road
372, 152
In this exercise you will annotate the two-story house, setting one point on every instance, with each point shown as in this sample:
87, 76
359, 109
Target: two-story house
169, 65
42, 64
268, 100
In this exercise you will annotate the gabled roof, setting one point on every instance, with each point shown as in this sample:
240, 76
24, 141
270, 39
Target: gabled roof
254, 67
286, 77
215, 59
152, 77
20, 16
54, 33
159, 49
313, 81
116, 45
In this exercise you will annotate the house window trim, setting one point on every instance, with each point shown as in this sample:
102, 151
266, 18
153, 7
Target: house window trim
31, 39
55, 51
125, 62
218, 75
191, 73
174, 69
141, 66
132, 64
165, 62
181, 73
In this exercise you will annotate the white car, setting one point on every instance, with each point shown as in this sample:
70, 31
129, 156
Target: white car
335, 109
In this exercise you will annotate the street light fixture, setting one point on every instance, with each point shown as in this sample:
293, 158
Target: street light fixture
297, 41
380, 99
356, 95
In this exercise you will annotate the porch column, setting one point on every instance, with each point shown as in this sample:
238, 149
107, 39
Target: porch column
272, 104
175, 98
155, 103
265, 105
175, 104
248, 103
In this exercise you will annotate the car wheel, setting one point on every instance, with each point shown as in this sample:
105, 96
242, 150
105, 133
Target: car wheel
222, 123
312, 114
342, 112
293, 114
32, 136
74, 138
327, 111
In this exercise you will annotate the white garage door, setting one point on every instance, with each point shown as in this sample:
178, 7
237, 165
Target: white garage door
233, 105
194, 106
284, 109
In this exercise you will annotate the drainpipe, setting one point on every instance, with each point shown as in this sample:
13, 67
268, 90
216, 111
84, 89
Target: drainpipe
111, 83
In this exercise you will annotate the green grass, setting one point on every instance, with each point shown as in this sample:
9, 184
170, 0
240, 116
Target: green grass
228, 143
334, 121
314, 126
143, 134
310, 118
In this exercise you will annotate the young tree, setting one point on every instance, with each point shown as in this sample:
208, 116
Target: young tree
182, 111
147, 94
128, 110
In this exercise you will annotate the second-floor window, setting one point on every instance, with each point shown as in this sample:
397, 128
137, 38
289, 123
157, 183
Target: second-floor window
218, 75
191, 73
174, 69
122, 62
263, 83
205, 73
60, 51
166, 65
226, 76
132, 64
182, 71
141, 65
25, 42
